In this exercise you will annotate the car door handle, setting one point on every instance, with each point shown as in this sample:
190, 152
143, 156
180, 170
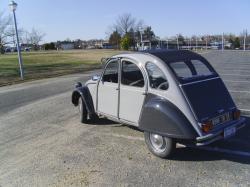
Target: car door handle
117, 89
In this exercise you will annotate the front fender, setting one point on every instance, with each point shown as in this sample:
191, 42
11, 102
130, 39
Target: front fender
163, 117
86, 96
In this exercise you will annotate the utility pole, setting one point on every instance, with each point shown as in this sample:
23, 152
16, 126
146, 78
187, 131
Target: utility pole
196, 43
141, 30
206, 42
244, 42
190, 43
177, 41
222, 42
167, 43
13, 6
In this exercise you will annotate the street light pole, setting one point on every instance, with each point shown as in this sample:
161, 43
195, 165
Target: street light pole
141, 32
222, 42
177, 42
206, 42
244, 40
196, 43
13, 7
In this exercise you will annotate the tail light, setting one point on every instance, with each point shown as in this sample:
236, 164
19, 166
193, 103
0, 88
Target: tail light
207, 126
236, 114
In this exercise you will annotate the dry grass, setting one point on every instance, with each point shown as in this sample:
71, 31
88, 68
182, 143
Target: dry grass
38, 65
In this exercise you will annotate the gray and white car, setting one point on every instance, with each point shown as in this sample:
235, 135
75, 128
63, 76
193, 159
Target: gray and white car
172, 96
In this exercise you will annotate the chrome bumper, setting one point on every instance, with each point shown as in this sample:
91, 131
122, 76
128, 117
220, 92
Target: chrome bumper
210, 138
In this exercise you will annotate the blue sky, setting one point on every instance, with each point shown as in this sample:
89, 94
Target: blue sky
88, 19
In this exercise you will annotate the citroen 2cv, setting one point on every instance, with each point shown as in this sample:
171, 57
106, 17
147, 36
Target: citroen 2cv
171, 95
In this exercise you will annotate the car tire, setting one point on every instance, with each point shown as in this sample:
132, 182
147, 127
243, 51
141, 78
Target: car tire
82, 110
160, 146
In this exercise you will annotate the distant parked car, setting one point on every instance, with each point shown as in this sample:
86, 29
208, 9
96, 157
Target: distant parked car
173, 96
7, 50
27, 49
14, 49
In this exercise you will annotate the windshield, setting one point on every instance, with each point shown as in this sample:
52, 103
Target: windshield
191, 70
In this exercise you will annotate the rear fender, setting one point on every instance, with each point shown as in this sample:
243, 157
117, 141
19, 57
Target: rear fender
163, 117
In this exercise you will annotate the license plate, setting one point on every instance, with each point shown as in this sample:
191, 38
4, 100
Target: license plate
221, 119
230, 131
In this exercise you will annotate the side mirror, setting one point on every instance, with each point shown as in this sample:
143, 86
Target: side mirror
96, 77
78, 85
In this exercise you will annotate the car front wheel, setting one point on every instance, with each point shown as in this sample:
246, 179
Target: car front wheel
160, 146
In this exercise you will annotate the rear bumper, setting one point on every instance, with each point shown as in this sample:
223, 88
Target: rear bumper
212, 137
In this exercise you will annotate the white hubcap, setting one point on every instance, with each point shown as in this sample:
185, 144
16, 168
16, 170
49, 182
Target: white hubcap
157, 142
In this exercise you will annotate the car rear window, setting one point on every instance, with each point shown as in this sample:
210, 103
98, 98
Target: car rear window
191, 70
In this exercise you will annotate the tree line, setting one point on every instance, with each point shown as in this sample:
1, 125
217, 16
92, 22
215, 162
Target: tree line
127, 33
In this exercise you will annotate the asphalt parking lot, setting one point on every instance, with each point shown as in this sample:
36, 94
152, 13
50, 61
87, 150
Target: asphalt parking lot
42, 142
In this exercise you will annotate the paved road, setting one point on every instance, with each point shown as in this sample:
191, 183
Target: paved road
42, 142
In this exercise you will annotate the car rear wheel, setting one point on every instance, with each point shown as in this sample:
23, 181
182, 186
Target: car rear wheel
160, 146
82, 110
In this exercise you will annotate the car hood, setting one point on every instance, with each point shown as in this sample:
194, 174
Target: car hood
90, 81
208, 98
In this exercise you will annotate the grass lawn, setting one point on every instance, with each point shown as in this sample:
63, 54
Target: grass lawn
38, 65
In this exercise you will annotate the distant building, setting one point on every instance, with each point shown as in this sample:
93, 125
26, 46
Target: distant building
66, 45
107, 45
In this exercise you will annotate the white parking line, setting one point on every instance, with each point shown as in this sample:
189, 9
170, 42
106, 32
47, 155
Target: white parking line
245, 110
234, 75
235, 91
236, 81
206, 148
127, 137
233, 70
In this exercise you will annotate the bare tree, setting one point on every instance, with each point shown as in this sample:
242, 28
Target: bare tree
125, 23
5, 31
35, 37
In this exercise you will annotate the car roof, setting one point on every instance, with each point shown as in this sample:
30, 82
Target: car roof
166, 56
174, 55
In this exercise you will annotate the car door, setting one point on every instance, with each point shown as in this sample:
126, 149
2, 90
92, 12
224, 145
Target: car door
107, 101
132, 91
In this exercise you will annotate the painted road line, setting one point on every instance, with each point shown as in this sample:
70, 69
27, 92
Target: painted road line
245, 110
234, 75
229, 71
235, 91
236, 81
127, 137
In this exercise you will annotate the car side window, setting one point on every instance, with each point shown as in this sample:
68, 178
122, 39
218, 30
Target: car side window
111, 72
131, 75
157, 79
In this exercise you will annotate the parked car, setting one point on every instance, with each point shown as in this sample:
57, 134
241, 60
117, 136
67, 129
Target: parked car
173, 96
7, 50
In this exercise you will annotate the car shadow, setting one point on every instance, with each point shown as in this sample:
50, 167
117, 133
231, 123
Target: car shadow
234, 146
104, 121
194, 154
236, 149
